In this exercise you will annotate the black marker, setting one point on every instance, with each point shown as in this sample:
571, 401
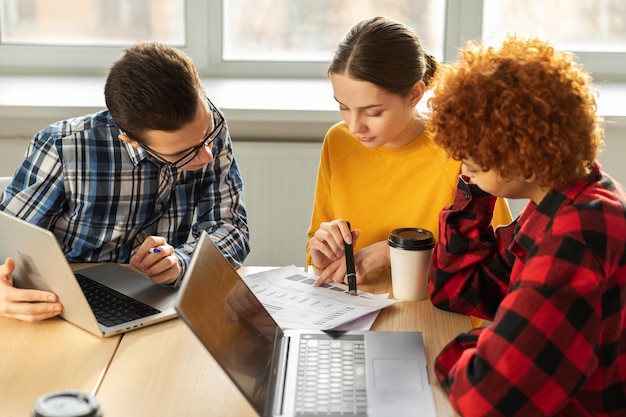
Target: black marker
350, 269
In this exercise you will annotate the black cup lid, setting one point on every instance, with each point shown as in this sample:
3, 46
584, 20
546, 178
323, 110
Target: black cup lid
411, 238
67, 403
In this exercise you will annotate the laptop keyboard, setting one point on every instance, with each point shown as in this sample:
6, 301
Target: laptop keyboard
331, 376
112, 307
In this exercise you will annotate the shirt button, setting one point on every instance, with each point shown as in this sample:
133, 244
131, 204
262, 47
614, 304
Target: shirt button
159, 207
467, 196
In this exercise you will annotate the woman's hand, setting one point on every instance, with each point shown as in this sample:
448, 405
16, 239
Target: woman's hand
366, 260
327, 244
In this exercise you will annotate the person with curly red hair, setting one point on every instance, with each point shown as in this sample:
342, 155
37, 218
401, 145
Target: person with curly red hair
522, 118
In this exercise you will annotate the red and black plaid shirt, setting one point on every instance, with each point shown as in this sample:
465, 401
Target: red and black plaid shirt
554, 285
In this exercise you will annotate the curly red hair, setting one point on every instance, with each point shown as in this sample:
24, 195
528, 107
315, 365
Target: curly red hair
523, 109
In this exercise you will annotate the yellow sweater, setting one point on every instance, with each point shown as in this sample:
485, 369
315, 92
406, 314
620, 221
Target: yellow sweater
381, 189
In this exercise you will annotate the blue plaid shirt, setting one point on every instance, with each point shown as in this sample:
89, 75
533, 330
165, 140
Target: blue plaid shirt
100, 196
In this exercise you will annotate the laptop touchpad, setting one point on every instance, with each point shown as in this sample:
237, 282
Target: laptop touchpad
393, 374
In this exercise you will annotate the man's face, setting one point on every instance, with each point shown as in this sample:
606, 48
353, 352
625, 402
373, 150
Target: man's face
188, 147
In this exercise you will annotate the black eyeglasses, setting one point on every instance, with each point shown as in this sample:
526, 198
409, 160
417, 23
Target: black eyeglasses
193, 152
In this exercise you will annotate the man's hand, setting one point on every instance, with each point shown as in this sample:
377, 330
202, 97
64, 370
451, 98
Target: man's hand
155, 258
24, 304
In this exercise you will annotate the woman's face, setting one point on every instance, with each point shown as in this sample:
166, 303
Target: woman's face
376, 117
491, 182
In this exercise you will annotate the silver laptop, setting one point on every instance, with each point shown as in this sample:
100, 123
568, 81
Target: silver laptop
299, 372
122, 299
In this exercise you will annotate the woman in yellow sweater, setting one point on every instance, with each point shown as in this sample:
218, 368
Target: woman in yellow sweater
379, 169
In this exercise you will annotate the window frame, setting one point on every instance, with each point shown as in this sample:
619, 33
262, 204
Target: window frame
253, 68
463, 22
96, 60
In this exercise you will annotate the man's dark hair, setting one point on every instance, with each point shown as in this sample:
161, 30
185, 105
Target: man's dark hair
152, 87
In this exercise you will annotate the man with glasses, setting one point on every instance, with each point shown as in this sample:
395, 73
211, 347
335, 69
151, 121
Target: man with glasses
136, 183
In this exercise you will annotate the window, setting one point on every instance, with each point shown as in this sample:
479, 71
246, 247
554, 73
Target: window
594, 30
99, 22
577, 25
288, 38
82, 37
296, 38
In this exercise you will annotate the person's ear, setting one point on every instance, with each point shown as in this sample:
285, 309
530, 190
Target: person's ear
126, 139
531, 179
417, 92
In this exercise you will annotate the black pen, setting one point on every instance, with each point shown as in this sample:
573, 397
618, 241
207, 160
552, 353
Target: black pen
350, 269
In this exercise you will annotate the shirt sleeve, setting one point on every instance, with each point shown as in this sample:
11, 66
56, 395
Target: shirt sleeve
470, 264
322, 202
40, 197
221, 211
541, 347
542, 344
502, 213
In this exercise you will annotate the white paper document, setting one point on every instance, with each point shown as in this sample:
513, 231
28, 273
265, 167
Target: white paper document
292, 300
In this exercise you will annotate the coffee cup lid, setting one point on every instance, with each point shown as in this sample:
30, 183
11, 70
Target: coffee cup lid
67, 403
411, 238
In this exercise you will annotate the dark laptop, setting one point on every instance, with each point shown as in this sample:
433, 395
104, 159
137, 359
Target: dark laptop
299, 372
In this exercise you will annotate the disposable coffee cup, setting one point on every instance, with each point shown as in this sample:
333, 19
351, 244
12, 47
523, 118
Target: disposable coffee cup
67, 403
410, 249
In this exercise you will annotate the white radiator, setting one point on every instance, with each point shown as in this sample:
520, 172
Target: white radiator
279, 186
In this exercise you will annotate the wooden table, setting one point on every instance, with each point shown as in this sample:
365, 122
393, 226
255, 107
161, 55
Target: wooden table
163, 370
36, 358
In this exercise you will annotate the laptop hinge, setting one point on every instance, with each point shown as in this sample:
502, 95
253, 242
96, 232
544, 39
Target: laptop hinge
279, 390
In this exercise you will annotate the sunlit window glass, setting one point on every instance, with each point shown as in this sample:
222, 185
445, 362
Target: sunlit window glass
576, 25
309, 30
94, 22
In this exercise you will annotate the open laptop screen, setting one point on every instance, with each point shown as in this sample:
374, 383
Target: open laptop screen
230, 322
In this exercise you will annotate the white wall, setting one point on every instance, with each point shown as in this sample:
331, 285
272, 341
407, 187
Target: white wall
279, 185
11, 153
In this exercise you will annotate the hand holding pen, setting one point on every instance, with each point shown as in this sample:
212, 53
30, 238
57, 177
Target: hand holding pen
327, 249
350, 268
156, 258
